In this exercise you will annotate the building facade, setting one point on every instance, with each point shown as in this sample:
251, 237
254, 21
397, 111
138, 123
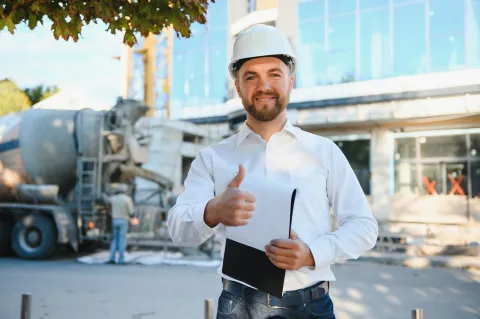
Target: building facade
395, 83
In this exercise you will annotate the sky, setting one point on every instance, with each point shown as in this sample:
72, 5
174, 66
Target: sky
34, 57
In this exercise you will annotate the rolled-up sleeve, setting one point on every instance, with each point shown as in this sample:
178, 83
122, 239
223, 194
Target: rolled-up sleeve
185, 219
357, 229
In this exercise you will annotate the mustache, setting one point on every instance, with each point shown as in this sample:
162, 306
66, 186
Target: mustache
265, 93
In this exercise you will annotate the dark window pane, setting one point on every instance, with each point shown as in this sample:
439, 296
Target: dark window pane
341, 60
310, 54
374, 44
409, 43
475, 176
341, 7
473, 33
367, 4
475, 145
443, 146
447, 52
358, 155
405, 148
310, 10
406, 178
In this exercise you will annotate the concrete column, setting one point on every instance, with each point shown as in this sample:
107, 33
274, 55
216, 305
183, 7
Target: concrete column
382, 181
287, 20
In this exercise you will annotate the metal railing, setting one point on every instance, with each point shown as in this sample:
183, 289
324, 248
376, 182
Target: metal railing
209, 308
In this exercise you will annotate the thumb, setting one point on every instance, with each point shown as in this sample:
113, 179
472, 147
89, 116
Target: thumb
238, 179
293, 234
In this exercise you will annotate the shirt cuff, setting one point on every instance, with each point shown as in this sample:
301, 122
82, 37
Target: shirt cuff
321, 251
203, 230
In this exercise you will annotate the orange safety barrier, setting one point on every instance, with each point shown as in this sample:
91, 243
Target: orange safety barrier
456, 185
430, 185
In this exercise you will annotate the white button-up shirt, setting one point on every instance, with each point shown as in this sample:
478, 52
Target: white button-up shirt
313, 164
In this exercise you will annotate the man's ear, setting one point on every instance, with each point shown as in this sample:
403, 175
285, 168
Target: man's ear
290, 84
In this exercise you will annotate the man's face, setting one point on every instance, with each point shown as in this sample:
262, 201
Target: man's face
264, 85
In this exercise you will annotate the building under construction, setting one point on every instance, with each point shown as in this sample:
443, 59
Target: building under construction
395, 87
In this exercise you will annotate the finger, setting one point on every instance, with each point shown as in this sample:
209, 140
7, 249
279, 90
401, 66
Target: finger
249, 207
282, 265
279, 258
238, 179
290, 253
241, 222
293, 234
248, 197
285, 243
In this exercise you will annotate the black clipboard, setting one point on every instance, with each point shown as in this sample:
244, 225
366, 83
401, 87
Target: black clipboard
252, 266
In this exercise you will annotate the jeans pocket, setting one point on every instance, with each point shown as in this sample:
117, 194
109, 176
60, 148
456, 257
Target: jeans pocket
227, 303
321, 308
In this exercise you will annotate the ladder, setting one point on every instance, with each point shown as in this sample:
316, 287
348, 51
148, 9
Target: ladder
86, 185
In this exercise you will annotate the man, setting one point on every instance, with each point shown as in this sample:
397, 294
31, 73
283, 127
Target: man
121, 207
263, 66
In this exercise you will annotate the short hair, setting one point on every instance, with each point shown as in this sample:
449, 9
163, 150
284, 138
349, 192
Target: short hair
284, 58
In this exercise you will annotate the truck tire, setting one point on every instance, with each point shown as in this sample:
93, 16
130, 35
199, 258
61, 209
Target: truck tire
5, 233
34, 237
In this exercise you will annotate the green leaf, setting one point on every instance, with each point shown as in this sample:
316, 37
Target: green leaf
2, 24
32, 21
10, 25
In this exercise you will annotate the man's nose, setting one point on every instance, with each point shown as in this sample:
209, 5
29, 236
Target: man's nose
263, 84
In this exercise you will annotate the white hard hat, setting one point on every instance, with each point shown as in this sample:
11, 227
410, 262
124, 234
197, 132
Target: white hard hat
261, 40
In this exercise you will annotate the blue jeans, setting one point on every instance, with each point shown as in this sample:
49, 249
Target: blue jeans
233, 307
119, 239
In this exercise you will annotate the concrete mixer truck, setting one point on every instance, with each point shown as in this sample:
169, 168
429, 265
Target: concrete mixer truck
55, 168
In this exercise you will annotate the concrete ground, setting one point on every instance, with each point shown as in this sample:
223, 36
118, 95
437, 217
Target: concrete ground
66, 289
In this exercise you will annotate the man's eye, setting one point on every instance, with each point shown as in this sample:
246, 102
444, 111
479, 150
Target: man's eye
275, 75
249, 78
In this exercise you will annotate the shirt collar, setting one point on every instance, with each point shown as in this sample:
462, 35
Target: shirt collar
245, 131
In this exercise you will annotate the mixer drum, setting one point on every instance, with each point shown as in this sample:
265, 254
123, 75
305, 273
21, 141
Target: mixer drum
40, 146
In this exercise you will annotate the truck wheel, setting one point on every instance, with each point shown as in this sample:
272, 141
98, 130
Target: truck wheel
5, 232
34, 237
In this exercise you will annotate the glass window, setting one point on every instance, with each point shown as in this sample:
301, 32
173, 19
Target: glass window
216, 90
473, 33
475, 177
368, 4
341, 60
358, 155
374, 44
310, 54
447, 43
310, 10
405, 148
406, 178
447, 52
443, 146
456, 179
217, 15
409, 45
341, 7
432, 179
475, 145
440, 11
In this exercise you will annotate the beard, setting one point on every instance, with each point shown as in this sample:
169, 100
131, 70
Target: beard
262, 111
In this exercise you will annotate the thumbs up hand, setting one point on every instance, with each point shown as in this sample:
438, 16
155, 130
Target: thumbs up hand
233, 207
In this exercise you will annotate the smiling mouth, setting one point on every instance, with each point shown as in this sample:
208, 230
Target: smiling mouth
265, 98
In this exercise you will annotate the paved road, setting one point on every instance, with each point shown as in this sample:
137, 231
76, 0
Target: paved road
65, 289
